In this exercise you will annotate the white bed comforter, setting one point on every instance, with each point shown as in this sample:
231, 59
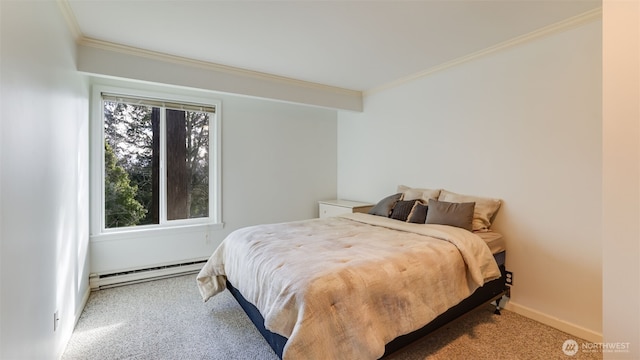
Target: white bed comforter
343, 287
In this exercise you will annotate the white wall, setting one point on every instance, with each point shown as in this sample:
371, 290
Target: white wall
523, 125
278, 160
44, 181
621, 176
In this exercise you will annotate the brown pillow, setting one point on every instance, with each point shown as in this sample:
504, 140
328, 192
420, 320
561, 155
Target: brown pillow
418, 213
453, 214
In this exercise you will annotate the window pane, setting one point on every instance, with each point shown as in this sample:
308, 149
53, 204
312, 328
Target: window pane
132, 144
187, 164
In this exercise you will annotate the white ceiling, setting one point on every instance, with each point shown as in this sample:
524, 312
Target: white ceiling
356, 45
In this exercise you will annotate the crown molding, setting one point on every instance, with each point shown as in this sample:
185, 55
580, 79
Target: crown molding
555, 28
210, 66
70, 19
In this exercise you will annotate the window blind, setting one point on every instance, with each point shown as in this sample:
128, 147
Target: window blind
184, 106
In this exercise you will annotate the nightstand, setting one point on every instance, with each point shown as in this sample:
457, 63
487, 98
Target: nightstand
335, 207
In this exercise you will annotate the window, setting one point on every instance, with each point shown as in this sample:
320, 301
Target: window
159, 161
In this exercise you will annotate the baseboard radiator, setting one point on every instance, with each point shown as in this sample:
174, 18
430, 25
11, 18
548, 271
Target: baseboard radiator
105, 281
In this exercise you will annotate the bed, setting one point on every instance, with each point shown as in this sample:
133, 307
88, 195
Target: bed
360, 286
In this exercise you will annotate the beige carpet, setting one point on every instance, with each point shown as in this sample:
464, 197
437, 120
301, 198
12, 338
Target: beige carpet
166, 319
483, 335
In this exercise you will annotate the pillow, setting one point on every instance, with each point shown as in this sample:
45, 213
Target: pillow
453, 214
485, 210
418, 194
402, 209
384, 206
418, 213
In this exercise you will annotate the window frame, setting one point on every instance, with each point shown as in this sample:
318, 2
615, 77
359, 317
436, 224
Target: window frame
97, 163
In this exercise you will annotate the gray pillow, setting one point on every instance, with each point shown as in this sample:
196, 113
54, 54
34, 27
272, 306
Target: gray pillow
384, 206
484, 212
453, 214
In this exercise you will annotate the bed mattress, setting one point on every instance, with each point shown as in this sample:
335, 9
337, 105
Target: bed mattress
494, 240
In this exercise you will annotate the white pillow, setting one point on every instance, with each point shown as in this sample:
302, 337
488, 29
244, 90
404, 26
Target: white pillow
423, 195
484, 211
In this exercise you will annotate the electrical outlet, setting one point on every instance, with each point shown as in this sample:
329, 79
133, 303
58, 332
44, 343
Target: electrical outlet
509, 277
56, 320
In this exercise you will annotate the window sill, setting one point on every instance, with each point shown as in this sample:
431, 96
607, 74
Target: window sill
154, 230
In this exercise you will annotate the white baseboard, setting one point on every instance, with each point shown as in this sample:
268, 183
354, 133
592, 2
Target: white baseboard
569, 328
76, 317
85, 299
